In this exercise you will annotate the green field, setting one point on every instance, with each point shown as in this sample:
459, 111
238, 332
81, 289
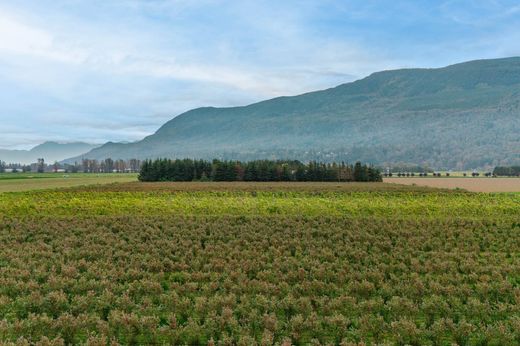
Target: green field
260, 263
10, 182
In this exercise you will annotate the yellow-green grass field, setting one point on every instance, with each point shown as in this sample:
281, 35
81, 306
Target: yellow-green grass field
259, 264
11, 182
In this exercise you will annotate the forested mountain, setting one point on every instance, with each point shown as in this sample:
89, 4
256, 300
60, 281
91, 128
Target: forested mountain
459, 117
49, 151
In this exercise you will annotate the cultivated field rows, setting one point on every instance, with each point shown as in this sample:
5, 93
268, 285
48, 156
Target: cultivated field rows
260, 264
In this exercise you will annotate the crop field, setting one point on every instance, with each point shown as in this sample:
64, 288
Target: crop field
481, 184
259, 263
10, 182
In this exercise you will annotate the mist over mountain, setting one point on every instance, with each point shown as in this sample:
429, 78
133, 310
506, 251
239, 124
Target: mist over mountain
49, 151
459, 117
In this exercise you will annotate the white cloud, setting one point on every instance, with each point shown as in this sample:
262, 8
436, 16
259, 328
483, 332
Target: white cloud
19, 38
109, 54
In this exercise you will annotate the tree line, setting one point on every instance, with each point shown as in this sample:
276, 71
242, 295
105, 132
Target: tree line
513, 171
85, 166
259, 170
107, 166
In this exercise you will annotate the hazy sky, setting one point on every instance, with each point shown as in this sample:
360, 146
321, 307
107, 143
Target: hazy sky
99, 70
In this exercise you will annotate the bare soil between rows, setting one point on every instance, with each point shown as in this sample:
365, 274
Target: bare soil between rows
470, 184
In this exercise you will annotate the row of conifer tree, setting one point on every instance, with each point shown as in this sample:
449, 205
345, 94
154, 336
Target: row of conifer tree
260, 170
513, 171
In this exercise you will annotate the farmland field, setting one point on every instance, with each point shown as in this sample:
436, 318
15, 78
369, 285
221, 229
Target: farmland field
260, 263
10, 182
481, 184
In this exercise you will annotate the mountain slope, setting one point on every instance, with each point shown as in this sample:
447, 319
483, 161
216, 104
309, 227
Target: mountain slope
50, 151
461, 116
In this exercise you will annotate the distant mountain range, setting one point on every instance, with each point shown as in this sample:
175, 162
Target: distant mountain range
459, 117
49, 151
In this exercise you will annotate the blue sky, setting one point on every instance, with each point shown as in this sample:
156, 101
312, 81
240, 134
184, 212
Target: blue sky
99, 70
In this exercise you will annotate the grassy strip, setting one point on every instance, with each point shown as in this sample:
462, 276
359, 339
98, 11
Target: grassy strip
355, 204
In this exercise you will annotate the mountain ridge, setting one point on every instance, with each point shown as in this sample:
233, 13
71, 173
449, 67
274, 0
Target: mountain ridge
457, 117
50, 151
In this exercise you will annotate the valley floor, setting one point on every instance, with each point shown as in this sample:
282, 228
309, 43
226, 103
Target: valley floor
10, 182
260, 263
